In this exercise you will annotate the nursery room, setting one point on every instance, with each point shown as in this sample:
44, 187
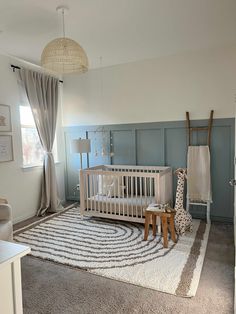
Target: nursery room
117, 156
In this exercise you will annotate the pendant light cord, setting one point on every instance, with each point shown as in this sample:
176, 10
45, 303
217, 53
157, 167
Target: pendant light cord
63, 22
101, 80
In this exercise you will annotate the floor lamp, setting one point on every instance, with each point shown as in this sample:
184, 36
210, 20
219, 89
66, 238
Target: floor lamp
81, 146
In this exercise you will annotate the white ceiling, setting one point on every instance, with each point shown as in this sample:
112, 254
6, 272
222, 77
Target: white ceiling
118, 30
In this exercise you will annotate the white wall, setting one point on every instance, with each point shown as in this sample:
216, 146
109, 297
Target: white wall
20, 186
154, 90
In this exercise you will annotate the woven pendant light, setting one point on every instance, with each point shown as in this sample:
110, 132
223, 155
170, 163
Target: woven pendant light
64, 55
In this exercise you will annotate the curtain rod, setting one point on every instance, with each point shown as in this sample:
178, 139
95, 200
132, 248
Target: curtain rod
14, 67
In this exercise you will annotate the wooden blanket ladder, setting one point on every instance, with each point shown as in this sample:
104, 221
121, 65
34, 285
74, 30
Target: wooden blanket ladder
190, 130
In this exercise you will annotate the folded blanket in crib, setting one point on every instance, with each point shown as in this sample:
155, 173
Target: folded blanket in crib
198, 173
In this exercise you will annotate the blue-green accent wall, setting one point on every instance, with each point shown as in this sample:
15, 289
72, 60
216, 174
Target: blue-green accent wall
159, 143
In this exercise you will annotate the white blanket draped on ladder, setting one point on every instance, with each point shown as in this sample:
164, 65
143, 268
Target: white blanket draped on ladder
199, 174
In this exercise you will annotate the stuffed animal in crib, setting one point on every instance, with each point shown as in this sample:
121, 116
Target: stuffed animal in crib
183, 219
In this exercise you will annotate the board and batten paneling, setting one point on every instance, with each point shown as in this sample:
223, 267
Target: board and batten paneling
160, 143
149, 147
175, 150
221, 191
123, 147
100, 146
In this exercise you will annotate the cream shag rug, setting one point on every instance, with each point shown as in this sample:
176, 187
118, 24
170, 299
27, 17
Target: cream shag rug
116, 250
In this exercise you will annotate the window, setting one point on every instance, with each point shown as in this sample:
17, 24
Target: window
32, 149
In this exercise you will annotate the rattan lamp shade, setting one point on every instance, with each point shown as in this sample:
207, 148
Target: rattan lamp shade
64, 55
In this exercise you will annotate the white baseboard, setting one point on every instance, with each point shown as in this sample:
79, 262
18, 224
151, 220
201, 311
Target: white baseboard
22, 218
29, 215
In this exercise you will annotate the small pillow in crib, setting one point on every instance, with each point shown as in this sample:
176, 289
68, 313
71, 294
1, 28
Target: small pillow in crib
115, 190
110, 186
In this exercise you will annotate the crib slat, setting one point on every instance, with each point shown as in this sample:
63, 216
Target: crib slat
131, 196
110, 197
157, 188
87, 194
106, 202
102, 194
98, 191
127, 197
141, 191
116, 188
82, 193
94, 193
90, 192
136, 194
150, 186
123, 197
145, 190
119, 192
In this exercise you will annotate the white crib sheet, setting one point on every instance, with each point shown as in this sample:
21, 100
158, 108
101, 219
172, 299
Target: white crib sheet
139, 200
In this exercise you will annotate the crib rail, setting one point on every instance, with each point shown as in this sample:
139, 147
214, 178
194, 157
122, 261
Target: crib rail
129, 168
122, 192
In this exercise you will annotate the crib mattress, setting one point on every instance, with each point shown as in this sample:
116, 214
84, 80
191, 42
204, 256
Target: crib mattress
127, 206
139, 200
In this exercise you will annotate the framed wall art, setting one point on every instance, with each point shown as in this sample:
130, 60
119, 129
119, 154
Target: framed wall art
5, 118
6, 148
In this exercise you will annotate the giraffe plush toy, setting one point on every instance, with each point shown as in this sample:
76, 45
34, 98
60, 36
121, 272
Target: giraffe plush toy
183, 219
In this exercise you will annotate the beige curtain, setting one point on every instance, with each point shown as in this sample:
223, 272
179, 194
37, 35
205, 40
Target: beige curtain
42, 93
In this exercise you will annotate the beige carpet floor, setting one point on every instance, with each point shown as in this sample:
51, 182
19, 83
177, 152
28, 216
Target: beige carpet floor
49, 288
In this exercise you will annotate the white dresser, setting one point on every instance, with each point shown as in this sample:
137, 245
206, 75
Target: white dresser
10, 277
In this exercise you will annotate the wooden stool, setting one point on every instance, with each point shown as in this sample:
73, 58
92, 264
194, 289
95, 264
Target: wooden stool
150, 217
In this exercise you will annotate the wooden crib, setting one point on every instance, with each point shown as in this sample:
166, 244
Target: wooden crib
123, 192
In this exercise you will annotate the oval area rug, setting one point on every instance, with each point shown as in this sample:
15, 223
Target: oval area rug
116, 250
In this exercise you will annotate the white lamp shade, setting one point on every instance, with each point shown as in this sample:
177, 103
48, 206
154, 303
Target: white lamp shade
80, 146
